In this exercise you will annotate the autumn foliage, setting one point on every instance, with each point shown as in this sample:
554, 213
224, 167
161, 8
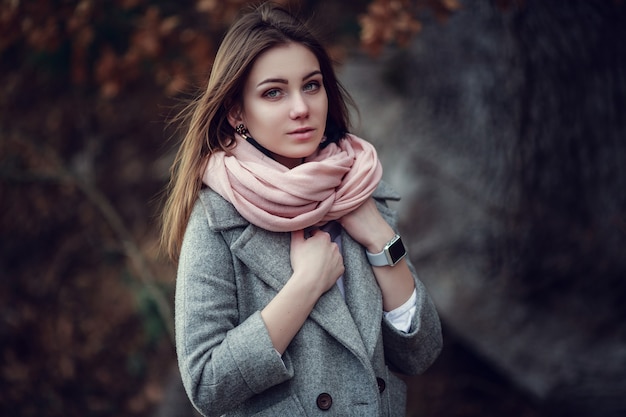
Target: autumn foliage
113, 43
110, 44
397, 21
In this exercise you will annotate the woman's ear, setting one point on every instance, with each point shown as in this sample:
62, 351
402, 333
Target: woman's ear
235, 117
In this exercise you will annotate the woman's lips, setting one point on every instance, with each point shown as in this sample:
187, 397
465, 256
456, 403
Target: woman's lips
302, 133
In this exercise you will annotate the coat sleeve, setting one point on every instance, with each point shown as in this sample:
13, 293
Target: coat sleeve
412, 352
222, 361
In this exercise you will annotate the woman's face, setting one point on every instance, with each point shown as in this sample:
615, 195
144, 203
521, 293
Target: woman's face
285, 103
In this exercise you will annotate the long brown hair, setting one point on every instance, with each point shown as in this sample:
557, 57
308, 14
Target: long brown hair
208, 130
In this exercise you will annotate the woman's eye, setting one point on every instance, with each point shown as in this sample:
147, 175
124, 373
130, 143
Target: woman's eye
312, 86
273, 93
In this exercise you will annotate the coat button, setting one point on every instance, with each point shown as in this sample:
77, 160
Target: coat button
324, 401
381, 384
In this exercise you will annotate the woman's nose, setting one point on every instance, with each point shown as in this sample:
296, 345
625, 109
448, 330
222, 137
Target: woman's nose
299, 107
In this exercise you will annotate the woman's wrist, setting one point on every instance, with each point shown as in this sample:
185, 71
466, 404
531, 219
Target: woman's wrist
308, 286
379, 238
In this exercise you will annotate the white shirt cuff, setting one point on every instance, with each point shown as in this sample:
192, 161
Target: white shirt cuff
402, 316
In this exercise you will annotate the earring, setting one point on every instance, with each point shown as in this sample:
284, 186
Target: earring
241, 129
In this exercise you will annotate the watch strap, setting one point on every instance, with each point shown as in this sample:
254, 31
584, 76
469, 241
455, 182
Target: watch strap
389, 252
377, 259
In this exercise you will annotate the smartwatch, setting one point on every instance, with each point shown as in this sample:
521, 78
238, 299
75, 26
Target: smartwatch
391, 254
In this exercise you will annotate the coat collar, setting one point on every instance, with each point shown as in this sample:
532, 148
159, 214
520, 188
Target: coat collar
267, 255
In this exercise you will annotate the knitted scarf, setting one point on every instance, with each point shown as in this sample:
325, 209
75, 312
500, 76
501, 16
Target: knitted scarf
327, 185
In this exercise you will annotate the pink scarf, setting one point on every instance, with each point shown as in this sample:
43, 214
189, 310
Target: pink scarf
329, 184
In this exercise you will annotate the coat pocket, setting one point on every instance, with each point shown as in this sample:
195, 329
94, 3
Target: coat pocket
290, 406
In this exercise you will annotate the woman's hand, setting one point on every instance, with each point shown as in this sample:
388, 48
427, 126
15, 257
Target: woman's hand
367, 226
316, 259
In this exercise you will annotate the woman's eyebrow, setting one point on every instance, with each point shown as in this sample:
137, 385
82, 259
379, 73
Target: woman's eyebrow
272, 80
284, 81
311, 74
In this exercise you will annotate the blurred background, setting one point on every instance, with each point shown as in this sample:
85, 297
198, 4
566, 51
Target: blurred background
501, 123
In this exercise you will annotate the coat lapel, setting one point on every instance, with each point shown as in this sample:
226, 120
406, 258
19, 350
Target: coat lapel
266, 254
363, 296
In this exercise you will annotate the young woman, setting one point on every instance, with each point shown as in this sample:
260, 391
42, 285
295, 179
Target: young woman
293, 297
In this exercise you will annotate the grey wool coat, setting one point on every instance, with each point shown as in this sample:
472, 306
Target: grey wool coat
340, 363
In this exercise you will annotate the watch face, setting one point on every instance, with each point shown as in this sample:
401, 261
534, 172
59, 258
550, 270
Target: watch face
397, 251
